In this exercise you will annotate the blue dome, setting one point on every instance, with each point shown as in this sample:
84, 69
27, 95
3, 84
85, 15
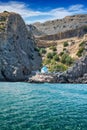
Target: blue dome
44, 69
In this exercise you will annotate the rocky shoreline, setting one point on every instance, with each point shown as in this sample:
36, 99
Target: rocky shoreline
18, 57
42, 78
76, 74
54, 78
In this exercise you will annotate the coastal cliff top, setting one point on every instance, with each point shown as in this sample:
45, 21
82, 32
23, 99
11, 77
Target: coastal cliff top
4, 18
5, 14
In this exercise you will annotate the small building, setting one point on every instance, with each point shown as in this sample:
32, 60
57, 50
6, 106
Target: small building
44, 69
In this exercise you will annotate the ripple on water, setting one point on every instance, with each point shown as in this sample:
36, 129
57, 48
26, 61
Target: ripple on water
43, 106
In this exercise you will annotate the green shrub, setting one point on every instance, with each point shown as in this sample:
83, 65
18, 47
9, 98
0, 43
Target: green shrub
66, 59
50, 55
37, 49
54, 53
65, 44
53, 48
42, 51
61, 53
2, 27
82, 44
6, 11
57, 68
46, 61
64, 49
80, 51
53, 62
56, 58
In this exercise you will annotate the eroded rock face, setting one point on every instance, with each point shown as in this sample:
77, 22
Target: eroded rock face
78, 32
16, 49
75, 25
76, 74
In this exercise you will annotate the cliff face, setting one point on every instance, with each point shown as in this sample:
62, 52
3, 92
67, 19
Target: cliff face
66, 34
16, 48
76, 74
67, 27
62, 25
34, 30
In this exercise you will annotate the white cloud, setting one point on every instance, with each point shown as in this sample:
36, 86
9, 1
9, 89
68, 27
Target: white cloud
30, 15
59, 13
76, 7
18, 7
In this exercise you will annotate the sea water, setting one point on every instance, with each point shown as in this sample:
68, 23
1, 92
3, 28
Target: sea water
25, 106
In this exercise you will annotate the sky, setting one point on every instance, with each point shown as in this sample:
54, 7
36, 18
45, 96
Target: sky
43, 10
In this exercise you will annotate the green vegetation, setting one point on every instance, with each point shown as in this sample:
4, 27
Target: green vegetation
57, 67
66, 59
82, 44
5, 11
37, 49
53, 48
80, 51
64, 49
54, 61
56, 58
42, 51
46, 61
2, 27
65, 44
50, 55
61, 53
53, 55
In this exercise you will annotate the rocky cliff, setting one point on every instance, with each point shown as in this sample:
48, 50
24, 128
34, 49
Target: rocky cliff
62, 25
79, 32
76, 74
17, 54
34, 30
67, 27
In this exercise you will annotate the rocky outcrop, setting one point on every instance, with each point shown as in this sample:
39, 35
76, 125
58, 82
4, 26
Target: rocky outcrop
62, 25
76, 74
16, 48
70, 26
43, 78
34, 30
66, 34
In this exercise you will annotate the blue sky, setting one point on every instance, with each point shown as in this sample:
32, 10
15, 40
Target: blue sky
44, 10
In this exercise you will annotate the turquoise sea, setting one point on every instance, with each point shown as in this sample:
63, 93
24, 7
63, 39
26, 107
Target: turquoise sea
25, 106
